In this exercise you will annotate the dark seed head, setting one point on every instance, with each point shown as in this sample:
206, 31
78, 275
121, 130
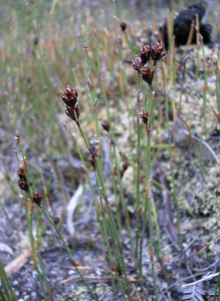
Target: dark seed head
21, 173
37, 198
123, 26
124, 168
145, 51
23, 185
147, 74
105, 125
145, 117
137, 64
94, 146
56, 218
69, 96
157, 51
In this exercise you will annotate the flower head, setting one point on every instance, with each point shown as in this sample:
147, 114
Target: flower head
21, 173
105, 125
124, 168
157, 51
123, 26
94, 146
37, 198
147, 74
137, 64
56, 218
23, 185
145, 117
69, 96
145, 52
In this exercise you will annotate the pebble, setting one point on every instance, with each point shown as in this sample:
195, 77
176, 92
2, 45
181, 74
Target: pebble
33, 295
15, 283
34, 274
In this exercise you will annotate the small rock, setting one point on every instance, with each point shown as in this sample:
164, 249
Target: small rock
15, 283
34, 274
33, 295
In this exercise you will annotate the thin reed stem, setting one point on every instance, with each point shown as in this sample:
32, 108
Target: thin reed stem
171, 156
138, 163
69, 253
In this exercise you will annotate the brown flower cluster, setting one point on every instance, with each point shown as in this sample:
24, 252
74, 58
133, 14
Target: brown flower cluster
105, 125
56, 218
123, 26
147, 74
124, 168
156, 52
37, 198
22, 183
69, 97
94, 147
145, 117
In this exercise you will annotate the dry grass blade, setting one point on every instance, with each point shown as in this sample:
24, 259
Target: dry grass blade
184, 138
17, 263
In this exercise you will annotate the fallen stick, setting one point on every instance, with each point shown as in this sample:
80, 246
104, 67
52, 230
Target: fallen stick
16, 264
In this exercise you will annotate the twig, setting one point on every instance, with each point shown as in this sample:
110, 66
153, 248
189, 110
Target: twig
208, 244
16, 264
201, 280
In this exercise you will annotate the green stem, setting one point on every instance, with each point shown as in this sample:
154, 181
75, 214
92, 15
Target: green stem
172, 173
6, 284
138, 163
69, 253
45, 279
147, 204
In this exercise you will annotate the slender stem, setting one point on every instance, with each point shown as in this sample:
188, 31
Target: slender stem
171, 157
45, 278
205, 71
138, 163
69, 253
100, 176
84, 137
147, 204
116, 162
29, 221
6, 284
